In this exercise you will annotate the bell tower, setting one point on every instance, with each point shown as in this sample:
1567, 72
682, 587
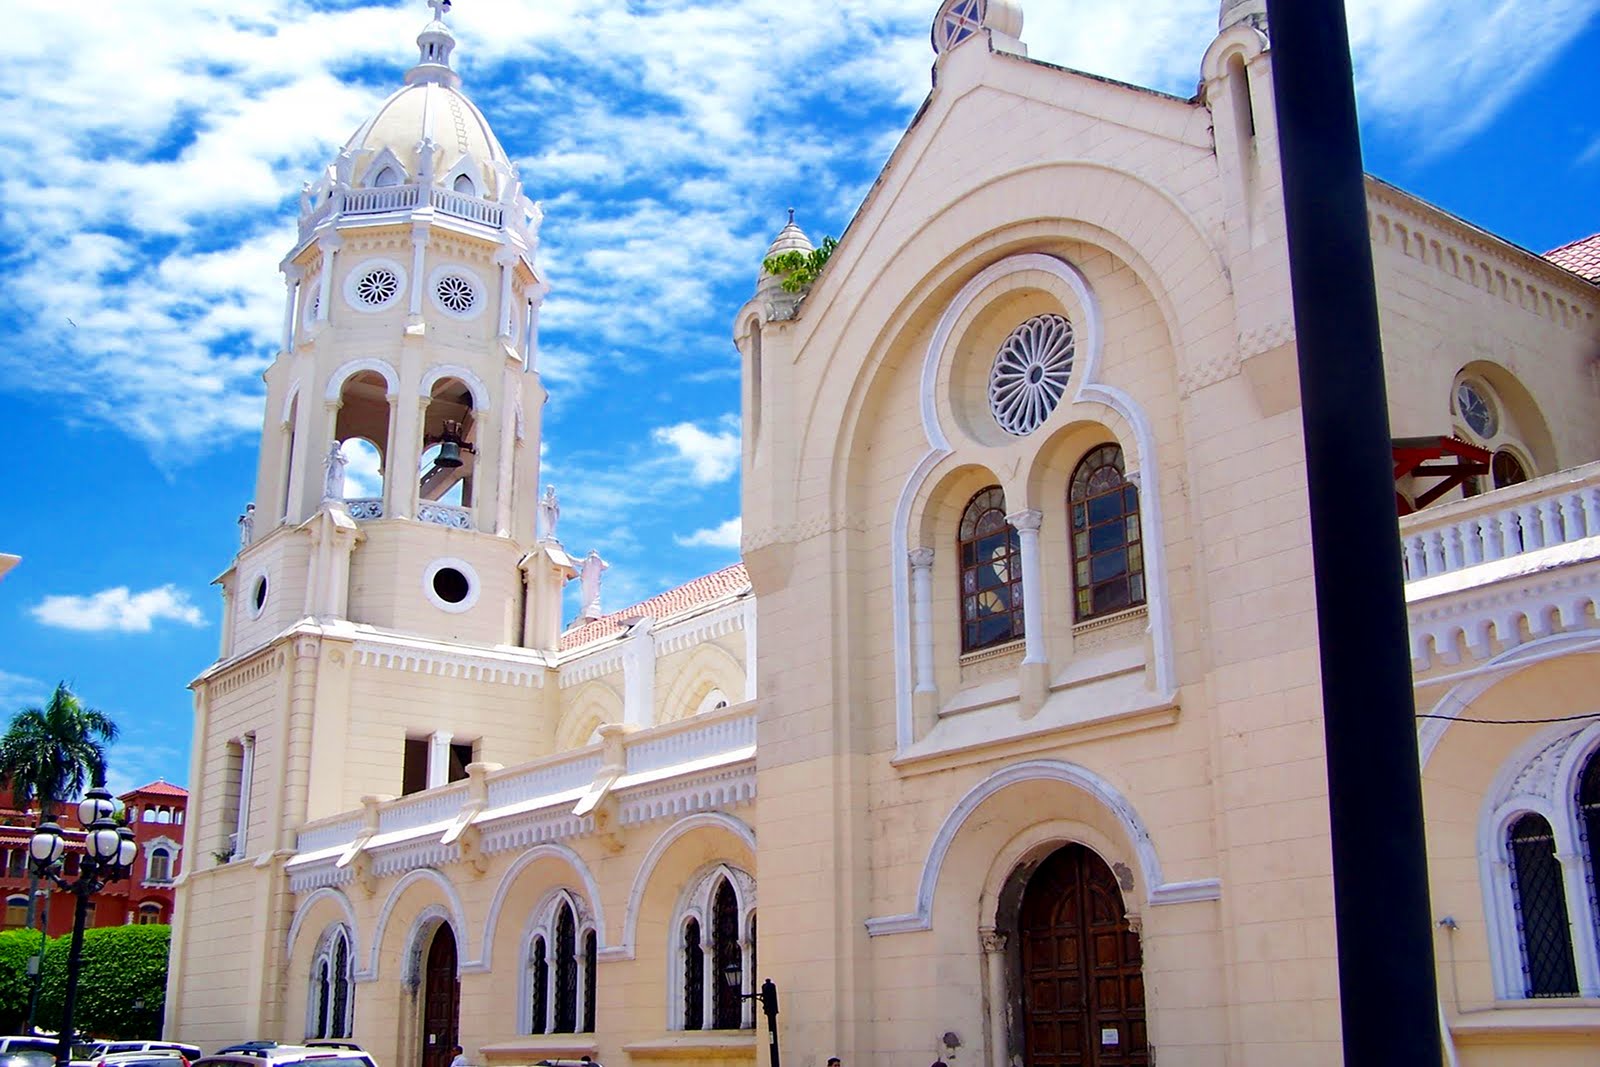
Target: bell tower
399, 468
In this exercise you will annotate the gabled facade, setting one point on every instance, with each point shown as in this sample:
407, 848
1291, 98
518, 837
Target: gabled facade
1028, 764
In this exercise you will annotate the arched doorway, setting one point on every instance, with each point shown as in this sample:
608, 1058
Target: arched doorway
441, 999
1081, 984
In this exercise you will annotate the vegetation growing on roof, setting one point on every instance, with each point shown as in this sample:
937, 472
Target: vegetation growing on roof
800, 270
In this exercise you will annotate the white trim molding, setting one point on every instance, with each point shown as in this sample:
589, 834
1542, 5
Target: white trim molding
474, 384
552, 851
1090, 338
715, 820
1157, 892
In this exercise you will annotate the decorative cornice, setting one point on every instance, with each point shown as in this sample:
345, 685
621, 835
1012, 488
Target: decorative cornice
705, 627
1264, 339
591, 666
805, 531
1522, 608
476, 667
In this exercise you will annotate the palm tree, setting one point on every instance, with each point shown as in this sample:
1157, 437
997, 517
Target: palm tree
47, 753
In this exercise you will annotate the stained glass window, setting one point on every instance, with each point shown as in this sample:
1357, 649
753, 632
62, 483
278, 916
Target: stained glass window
339, 1021
1548, 969
1107, 545
991, 573
330, 1009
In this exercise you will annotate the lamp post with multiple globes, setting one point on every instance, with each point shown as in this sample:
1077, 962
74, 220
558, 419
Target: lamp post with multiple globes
109, 852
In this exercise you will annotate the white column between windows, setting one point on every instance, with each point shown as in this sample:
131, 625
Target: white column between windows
506, 259
922, 618
291, 298
1027, 525
330, 246
247, 768
419, 252
439, 758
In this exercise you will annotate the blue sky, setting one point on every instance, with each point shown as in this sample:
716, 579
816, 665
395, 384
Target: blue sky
151, 156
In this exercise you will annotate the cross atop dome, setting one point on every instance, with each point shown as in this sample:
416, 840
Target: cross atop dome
435, 44
439, 8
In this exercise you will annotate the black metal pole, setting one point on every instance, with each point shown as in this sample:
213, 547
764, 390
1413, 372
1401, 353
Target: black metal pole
1387, 984
769, 1007
64, 1048
38, 972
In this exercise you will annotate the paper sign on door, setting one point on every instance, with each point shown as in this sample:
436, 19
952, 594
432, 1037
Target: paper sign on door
1110, 1036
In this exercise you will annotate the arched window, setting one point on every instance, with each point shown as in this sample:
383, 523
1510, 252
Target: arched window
561, 979
149, 914
1588, 800
16, 912
694, 975
991, 573
464, 186
716, 970
1107, 550
1548, 968
539, 976
332, 1002
159, 869
386, 176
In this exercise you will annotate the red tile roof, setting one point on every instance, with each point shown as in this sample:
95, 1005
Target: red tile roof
160, 789
728, 582
1580, 257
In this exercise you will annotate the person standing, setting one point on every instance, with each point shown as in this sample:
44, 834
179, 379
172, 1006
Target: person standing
458, 1056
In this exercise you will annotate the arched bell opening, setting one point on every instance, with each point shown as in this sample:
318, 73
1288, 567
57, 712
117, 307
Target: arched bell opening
1073, 964
362, 429
450, 452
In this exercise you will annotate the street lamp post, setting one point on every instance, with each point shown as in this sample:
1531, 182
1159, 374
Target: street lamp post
733, 977
109, 851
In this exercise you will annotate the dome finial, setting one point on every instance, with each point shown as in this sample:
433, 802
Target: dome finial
435, 43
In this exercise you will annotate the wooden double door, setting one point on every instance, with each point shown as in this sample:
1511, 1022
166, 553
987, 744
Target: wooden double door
441, 1000
1082, 982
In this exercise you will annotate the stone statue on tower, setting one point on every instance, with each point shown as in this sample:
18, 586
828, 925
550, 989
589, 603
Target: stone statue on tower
549, 514
589, 576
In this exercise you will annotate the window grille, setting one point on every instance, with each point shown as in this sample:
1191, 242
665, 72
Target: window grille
694, 967
591, 955
566, 950
1107, 546
991, 573
725, 956
1588, 799
541, 988
1541, 904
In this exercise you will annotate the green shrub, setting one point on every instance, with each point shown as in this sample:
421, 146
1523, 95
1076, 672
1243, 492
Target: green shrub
122, 967
15, 948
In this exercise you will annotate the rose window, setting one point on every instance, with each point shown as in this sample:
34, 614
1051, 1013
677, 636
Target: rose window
456, 294
958, 21
377, 287
1030, 374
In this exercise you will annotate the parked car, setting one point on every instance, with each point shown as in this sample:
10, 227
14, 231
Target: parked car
154, 1057
34, 1042
21, 1056
269, 1054
107, 1048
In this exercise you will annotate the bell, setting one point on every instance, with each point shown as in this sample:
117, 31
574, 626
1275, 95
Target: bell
449, 454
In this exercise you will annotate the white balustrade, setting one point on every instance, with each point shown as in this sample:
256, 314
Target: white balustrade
1557, 510
393, 198
329, 836
543, 780
425, 809
687, 745
365, 508
445, 515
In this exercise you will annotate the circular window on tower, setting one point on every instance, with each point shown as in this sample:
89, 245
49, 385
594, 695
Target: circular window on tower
374, 285
258, 596
451, 584
1476, 409
1030, 373
456, 291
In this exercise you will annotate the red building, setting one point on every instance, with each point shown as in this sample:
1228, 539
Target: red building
155, 814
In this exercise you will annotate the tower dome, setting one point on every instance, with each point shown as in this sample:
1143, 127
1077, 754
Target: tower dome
790, 239
1253, 12
428, 132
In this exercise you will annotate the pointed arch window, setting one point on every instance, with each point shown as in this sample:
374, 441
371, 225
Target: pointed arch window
560, 977
990, 554
464, 185
1588, 802
719, 907
1107, 544
332, 985
386, 177
1548, 967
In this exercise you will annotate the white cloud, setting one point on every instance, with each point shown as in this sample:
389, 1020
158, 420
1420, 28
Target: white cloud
150, 192
130, 765
713, 457
118, 609
725, 535
18, 691
1590, 154
363, 476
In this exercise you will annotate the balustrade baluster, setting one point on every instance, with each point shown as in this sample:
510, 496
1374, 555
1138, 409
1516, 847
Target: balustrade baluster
1475, 540
1571, 517
1591, 510
1452, 548
1510, 533
1530, 526
1433, 546
1550, 516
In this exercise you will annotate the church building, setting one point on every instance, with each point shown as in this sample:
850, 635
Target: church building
1027, 766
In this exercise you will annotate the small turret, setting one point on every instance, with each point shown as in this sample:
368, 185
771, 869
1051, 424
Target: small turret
790, 239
